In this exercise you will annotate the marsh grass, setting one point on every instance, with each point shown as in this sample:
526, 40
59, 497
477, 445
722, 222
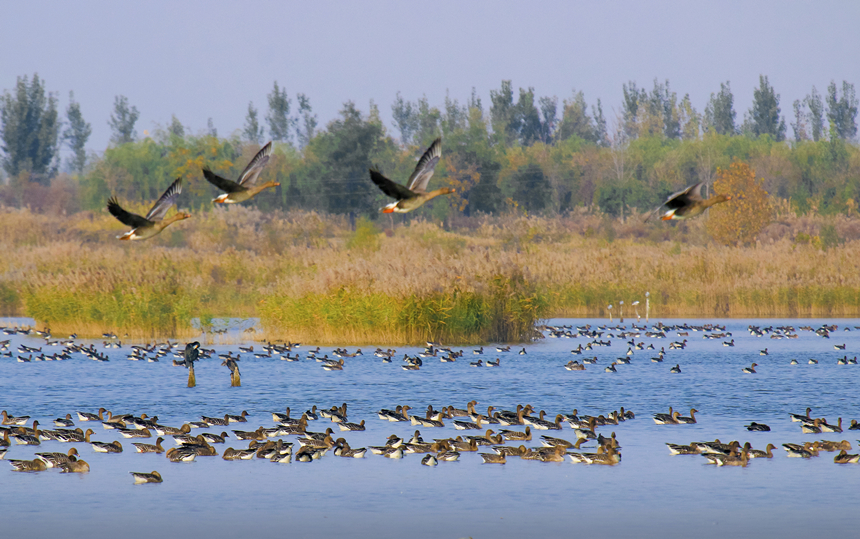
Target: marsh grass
312, 278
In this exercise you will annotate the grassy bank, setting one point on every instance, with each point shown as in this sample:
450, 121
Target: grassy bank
313, 278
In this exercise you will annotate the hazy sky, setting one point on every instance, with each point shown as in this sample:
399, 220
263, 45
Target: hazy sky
202, 59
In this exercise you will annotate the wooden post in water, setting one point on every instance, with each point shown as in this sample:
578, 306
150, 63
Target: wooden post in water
235, 377
192, 380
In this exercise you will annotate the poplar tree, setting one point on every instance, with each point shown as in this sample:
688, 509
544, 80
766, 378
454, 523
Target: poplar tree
29, 129
76, 134
278, 117
122, 121
253, 130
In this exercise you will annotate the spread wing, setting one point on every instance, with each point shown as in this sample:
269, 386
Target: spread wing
390, 188
686, 197
159, 210
255, 167
125, 217
228, 186
680, 199
425, 167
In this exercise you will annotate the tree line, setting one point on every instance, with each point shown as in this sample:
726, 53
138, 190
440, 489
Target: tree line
522, 152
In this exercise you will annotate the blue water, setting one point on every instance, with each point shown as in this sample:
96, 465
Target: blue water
650, 494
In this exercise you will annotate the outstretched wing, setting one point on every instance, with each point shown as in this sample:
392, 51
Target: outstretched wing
686, 197
159, 210
255, 167
424, 169
228, 186
390, 188
125, 217
680, 199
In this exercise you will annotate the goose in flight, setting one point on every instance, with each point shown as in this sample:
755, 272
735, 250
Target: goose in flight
244, 188
415, 193
154, 222
687, 203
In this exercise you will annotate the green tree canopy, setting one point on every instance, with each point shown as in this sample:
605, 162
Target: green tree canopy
253, 130
720, 113
278, 118
30, 129
842, 111
764, 118
122, 121
76, 134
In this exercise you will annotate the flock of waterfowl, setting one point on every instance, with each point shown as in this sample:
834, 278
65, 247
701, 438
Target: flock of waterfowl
269, 441
681, 205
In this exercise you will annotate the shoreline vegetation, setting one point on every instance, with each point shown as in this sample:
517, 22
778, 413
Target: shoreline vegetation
312, 277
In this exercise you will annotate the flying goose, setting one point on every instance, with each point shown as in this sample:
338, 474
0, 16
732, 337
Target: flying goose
415, 193
154, 222
244, 188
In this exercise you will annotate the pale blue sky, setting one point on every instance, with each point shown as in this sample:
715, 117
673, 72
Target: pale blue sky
202, 59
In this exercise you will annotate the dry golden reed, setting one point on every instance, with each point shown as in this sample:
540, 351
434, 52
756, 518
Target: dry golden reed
309, 278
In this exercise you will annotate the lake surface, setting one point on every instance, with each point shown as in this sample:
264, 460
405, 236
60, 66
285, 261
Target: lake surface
649, 494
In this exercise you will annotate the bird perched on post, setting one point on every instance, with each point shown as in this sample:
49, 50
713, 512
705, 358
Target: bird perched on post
687, 203
192, 351
230, 363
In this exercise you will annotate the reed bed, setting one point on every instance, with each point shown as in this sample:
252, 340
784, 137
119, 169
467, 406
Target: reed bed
311, 278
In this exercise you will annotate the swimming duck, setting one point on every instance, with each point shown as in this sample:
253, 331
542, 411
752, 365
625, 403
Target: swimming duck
141, 477
663, 419
429, 460
237, 418
798, 418
728, 460
215, 438
845, 458
244, 188
74, 465
184, 454
831, 428
757, 427
574, 366
28, 465
64, 422
854, 425
344, 426
344, 450
238, 454
675, 370
149, 448
750, 369
687, 420
102, 447
687, 203
515, 435
677, 449
10, 420
217, 421
492, 458
829, 445
758, 453
415, 193
53, 460
811, 428
542, 424
154, 222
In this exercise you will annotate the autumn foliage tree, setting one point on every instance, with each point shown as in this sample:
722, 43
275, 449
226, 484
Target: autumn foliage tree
741, 219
